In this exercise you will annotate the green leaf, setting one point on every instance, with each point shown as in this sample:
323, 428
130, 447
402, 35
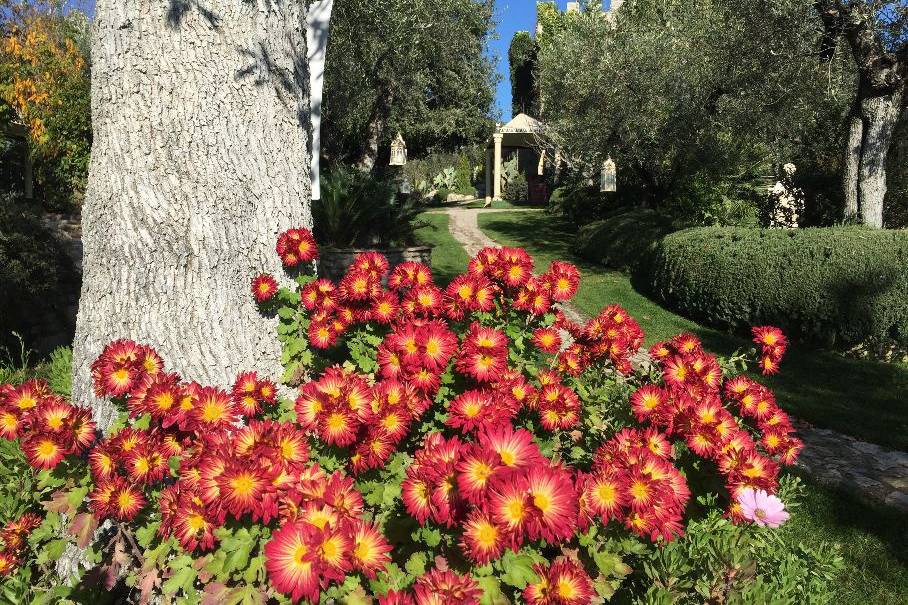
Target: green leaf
416, 564
239, 558
286, 312
179, 580
290, 372
518, 569
143, 422
491, 591
428, 536
54, 549
297, 346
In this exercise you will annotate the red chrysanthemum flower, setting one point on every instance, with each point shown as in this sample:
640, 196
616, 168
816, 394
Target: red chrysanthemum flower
296, 246
511, 506
475, 469
243, 487
126, 501
44, 450
562, 280
291, 560
482, 540
264, 287
516, 449
371, 549
647, 402
554, 503
547, 340
446, 588
396, 597
565, 582
215, 409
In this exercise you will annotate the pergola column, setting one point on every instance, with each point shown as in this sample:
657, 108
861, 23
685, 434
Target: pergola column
488, 174
497, 180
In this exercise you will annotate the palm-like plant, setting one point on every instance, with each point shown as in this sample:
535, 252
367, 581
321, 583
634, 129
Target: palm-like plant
360, 211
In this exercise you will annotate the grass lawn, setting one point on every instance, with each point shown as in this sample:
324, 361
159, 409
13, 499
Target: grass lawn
448, 257
498, 205
874, 540
866, 399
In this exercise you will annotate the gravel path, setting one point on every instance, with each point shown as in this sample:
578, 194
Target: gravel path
877, 473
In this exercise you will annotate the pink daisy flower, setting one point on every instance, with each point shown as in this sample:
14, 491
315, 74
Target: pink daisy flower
762, 508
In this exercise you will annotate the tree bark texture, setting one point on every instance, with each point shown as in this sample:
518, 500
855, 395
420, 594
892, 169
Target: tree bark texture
200, 158
852, 165
880, 113
883, 71
383, 103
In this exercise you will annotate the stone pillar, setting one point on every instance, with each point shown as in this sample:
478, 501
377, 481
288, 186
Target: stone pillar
497, 180
488, 175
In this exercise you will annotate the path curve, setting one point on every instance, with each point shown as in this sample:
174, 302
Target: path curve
831, 458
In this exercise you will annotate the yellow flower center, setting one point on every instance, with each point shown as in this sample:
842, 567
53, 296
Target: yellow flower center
639, 490
243, 485
487, 535
196, 522
507, 457
606, 493
299, 555
566, 590
515, 510
542, 502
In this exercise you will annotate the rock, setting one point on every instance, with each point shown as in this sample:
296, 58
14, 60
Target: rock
458, 197
898, 500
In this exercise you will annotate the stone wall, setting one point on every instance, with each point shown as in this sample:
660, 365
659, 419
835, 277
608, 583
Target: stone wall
333, 263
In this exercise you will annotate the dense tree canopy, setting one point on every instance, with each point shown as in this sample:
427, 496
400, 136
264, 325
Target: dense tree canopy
44, 84
703, 103
415, 66
522, 61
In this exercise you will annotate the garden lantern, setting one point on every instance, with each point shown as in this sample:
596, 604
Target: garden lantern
607, 176
398, 151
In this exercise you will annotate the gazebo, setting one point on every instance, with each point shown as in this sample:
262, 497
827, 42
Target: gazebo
521, 133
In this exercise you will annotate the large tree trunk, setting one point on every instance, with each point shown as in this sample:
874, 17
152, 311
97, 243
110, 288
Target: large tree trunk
880, 113
852, 165
200, 158
882, 66
380, 114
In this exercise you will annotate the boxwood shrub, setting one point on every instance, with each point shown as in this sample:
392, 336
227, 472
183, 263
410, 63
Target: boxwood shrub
837, 286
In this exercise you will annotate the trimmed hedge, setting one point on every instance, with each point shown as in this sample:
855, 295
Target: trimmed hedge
838, 286
624, 240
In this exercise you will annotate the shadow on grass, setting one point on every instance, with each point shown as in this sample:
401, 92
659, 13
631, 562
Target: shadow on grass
449, 259
874, 541
862, 398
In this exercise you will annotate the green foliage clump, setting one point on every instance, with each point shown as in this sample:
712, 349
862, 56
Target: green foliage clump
837, 286
624, 239
451, 172
358, 210
579, 204
522, 60
517, 189
720, 562
58, 371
